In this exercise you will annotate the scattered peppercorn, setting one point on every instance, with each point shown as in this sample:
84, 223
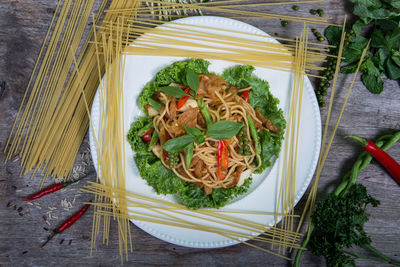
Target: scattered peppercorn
284, 23
320, 12
295, 8
313, 11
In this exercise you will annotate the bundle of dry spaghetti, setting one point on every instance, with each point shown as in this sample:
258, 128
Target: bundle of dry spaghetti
54, 114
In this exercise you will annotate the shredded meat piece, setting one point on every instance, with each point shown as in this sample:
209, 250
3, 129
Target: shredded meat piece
267, 122
201, 121
232, 90
207, 190
187, 118
172, 109
237, 174
198, 168
163, 136
209, 84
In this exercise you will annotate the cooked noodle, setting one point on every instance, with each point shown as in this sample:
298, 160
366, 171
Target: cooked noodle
225, 105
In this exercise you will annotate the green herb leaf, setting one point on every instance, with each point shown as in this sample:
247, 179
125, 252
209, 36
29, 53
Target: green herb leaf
222, 130
373, 83
396, 59
378, 40
193, 131
394, 39
358, 26
178, 144
157, 106
198, 135
173, 91
369, 67
349, 68
353, 52
333, 34
392, 69
192, 80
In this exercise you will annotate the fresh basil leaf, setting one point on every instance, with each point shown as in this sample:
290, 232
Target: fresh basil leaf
374, 84
193, 131
173, 91
198, 135
222, 130
157, 106
192, 80
199, 139
392, 69
349, 68
178, 144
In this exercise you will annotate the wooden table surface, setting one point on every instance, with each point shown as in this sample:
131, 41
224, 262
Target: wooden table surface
23, 227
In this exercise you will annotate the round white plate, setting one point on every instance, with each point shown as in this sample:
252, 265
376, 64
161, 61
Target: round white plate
263, 193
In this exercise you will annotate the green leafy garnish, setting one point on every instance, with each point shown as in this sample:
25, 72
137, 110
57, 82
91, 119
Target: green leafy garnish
192, 80
222, 130
379, 21
178, 144
197, 134
157, 106
173, 91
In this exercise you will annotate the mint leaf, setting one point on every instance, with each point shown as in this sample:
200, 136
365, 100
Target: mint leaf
374, 84
349, 68
369, 66
358, 26
333, 34
353, 52
392, 69
378, 40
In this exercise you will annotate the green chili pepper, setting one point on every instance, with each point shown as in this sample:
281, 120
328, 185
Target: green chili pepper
204, 111
145, 128
153, 141
254, 134
189, 155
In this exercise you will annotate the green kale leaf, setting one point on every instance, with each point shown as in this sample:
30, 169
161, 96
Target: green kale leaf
134, 139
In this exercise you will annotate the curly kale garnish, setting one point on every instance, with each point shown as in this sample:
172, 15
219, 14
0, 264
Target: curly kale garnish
339, 224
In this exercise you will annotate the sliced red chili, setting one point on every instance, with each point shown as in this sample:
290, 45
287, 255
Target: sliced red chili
245, 95
385, 159
147, 136
182, 101
223, 159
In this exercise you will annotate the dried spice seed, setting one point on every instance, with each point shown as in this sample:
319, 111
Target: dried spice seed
8, 204
19, 209
24, 252
20, 214
69, 243
62, 241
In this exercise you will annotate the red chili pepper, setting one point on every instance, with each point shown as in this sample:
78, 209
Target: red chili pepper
65, 225
223, 159
181, 101
52, 188
147, 136
387, 161
245, 95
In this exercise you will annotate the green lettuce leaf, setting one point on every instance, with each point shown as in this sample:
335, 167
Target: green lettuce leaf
174, 73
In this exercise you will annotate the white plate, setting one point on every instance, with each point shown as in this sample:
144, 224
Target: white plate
264, 191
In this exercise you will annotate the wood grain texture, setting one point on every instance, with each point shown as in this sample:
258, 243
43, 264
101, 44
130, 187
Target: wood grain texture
23, 25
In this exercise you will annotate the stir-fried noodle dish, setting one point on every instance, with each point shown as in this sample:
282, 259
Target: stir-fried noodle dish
204, 134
